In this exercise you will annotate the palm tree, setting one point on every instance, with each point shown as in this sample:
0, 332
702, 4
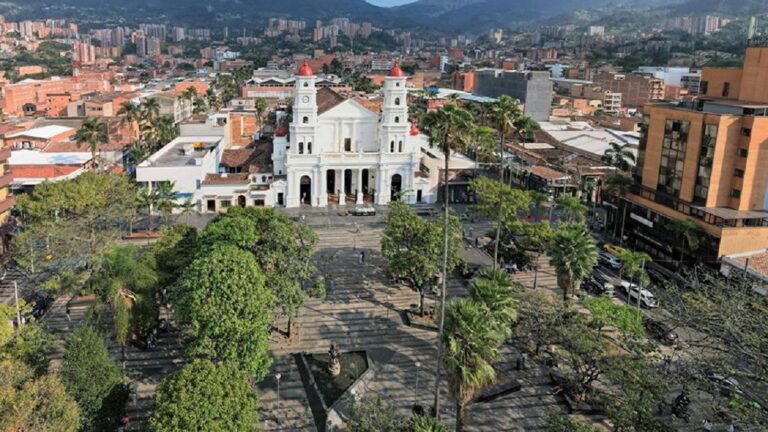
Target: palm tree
146, 198
619, 186
619, 156
165, 130
189, 94
484, 142
449, 128
93, 133
131, 114
633, 265
471, 347
573, 253
538, 199
188, 208
165, 198
261, 107
198, 105
495, 291
504, 114
690, 233
212, 99
571, 207
150, 109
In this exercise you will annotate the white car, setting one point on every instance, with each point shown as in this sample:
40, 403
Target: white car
610, 260
633, 291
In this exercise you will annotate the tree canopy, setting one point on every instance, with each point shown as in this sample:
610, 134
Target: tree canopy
223, 299
87, 372
205, 396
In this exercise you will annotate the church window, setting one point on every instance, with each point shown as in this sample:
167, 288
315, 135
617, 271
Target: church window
392, 147
301, 148
397, 119
397, 101
309, 147
305, 120
306, 84
400, 147
347, 144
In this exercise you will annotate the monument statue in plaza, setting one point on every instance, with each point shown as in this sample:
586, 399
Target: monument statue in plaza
334, 365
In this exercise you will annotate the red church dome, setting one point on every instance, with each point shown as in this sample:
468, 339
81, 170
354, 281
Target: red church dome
414, 130
305, 70
396, 71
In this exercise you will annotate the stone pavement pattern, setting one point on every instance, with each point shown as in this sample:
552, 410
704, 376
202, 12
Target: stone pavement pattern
358, 313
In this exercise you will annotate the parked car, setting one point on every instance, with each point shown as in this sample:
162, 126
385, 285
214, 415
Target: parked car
660, 331
597, 286
609, 260
729, 386
632, 291
363, 211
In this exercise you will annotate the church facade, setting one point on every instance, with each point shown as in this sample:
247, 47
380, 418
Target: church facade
337, 151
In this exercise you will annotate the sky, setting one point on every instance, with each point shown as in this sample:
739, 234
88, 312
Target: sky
389, 2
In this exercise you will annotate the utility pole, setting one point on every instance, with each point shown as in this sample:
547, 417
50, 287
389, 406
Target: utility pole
18, 310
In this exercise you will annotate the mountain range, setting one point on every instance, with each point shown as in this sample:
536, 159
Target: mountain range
451, 15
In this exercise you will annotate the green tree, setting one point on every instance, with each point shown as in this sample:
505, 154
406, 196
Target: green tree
260, 105
413, 248
619, 156
34, 404
173, 252
87, 372
199, 105
375, 415
30, 345
573, 253
557, 423
92, 133
642, 389
283, 249
131, 115
223, 300
619, 186
571, 207
470, 346
449, 128
496, 293
582, 355
493, 197
189, 94
165, 198
69, 224
538, 199
204, 396
624, 318
633, 265
508, 119
689, 232
538, 319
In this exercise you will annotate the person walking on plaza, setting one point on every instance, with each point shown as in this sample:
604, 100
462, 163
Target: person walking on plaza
362, 257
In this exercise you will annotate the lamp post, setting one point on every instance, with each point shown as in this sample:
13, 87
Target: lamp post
416, 388
277, 377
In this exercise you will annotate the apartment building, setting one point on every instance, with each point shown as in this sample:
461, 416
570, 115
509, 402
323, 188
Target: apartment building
532, 88
636, 90
706, 160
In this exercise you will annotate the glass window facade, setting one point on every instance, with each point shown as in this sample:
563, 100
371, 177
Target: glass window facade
706, 156
673, 157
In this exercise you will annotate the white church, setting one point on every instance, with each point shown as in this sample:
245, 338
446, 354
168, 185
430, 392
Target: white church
337, 151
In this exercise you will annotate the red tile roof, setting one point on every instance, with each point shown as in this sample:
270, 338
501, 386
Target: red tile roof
230, 179
43, 171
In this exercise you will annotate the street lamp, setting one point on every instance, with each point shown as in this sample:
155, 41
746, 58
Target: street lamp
416, 388
277, 377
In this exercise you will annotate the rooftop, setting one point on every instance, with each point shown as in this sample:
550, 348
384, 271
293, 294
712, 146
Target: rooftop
183, 151
44, 132
35, 157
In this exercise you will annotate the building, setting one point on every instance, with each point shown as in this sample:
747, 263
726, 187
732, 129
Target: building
84, 53
636, 89
532, 88
598, 31
705, 161
339, 149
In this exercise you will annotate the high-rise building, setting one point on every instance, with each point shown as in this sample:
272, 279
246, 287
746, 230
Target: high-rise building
705, 161
154, 30
153, 46
532, 88
83, 53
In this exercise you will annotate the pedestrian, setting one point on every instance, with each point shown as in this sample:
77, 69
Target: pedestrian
477, 242
67, 312
362, 257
